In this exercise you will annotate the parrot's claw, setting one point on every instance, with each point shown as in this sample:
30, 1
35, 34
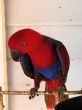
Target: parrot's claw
61, 90
33, 92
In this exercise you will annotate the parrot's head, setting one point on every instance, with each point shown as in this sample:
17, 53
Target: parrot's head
24, 41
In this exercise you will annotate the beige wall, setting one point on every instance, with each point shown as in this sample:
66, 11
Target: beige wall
60, 19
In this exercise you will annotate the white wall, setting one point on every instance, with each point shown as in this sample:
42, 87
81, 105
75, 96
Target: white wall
60, 19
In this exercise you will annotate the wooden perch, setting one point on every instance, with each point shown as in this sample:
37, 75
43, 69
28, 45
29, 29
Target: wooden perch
79, 92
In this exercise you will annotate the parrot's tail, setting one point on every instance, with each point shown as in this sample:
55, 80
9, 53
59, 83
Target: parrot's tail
52, 100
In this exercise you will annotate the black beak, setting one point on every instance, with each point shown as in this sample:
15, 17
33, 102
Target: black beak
15, 55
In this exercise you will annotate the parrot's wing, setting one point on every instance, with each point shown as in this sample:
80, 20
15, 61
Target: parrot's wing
57, 45
27, 66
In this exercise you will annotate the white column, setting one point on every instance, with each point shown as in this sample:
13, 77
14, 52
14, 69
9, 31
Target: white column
3, 60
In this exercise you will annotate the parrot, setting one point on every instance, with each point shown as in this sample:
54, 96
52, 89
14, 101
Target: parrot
42, 58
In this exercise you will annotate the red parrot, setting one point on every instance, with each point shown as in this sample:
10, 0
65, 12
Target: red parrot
42, 59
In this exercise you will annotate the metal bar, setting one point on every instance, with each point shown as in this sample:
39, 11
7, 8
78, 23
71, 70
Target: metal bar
79, 92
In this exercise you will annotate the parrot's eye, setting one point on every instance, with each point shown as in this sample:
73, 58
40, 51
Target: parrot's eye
23, 43
15, 55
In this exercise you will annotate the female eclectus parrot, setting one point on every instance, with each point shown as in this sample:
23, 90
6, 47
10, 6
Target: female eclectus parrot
42, 59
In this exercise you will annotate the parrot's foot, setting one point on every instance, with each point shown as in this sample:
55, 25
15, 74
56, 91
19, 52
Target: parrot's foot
59, 96
33, 92
61, 91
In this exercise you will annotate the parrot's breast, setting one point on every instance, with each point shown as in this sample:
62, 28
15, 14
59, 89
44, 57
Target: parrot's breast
51, 72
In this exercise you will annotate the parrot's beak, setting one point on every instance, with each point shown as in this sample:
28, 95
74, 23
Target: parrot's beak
15, 55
